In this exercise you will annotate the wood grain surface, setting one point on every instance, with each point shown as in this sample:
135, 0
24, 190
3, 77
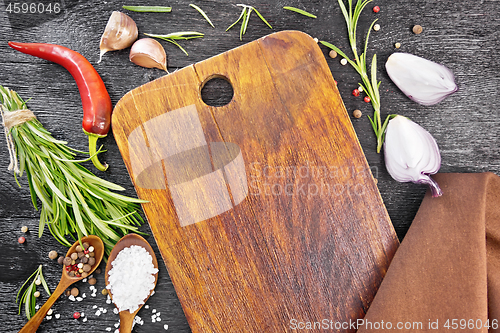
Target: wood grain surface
308, 238
463, 35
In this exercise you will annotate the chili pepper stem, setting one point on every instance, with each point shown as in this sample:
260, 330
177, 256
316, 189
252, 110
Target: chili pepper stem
93, 151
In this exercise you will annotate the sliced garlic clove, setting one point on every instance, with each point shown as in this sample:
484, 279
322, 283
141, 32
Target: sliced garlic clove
422, 80
120, 33
149, 53
411, 153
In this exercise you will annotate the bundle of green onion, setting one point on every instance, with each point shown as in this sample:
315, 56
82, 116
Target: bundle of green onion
74, 202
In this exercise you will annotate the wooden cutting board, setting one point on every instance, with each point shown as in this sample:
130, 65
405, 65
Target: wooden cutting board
265, 210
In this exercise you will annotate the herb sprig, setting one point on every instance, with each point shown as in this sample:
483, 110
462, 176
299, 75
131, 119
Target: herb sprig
202, 14
148, 9
74, 202
370, 84
245, 15
183, 35
28, 296
300, 11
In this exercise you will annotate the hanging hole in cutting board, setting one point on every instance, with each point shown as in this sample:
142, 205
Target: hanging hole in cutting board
217, 91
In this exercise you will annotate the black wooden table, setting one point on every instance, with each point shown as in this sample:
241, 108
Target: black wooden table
463, 35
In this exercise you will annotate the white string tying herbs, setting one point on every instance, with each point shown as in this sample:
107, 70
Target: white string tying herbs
11, 119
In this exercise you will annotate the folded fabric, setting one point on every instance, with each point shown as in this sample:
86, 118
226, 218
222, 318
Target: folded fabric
445, 276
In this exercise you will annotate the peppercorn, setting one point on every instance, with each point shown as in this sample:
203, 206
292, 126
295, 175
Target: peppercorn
52, 255
376, 9
67, 292
85, 260
78, 248
76, 315
85, 245
92, 281
343, 61
104, 291
74, 255
80, 271
60, 260
91, 249
49, 313
355, 92
376, 27
72, 273
36, 294
357, 113
85, 274
67, 261
73, 262
91, 261
332, 54
367, 99
417, 29
81, 254
21, 240
87, 268
38, 282
91, 254
75, 291
24, 229
397, 45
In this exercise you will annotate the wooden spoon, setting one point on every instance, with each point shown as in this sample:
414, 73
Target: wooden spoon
66, 281
127, 318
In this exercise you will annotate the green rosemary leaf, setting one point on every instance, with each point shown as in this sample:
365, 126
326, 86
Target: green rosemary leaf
374, 79
239, 18
262, 17
178, 45
27, 305
244, 23
44, 283
300, 11
202, 14
148, 9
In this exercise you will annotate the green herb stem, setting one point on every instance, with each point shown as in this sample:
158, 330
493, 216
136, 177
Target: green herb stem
245, 15
202, 14
28, 296
183, 35
148, 9
74, 202
300, 11
370, 84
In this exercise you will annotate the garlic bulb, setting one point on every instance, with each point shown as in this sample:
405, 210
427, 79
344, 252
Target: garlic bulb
149, 53
411, 153
120, 33
422, 80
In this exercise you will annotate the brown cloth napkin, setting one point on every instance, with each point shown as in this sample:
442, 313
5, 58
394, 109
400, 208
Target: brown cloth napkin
446, 272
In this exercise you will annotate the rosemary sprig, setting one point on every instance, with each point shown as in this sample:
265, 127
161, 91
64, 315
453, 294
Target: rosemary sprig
300, 11
28, 296
183, 35
370, 84
202, 14
74, 202
148, 9
245, 15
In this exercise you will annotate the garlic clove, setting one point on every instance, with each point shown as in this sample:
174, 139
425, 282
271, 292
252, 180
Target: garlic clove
149, 53
422, 80
120, 33
411, 153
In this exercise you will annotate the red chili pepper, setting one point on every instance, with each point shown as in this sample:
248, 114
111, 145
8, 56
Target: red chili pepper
96, 103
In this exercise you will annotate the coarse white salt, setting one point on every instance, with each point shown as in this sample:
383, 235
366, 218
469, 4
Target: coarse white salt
131, 278
94, 307
115, 311
83, 295
82, 314
84, 280
98, 313
117, 331
84, 319
153, 311
165, 327
108, 329
146, 306
108, 301
57, 315
104, 310
79, 299
117, 324
48, 317
71, 297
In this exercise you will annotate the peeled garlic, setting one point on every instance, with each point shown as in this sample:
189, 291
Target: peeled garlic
411, 153
149, 53
120, 33
422, 80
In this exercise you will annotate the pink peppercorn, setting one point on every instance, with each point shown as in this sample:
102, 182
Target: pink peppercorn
376, 9
21, 240
76, 315
367, 99
355, 92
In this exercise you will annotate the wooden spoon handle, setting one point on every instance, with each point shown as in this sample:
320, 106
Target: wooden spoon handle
35, 321
126, 321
